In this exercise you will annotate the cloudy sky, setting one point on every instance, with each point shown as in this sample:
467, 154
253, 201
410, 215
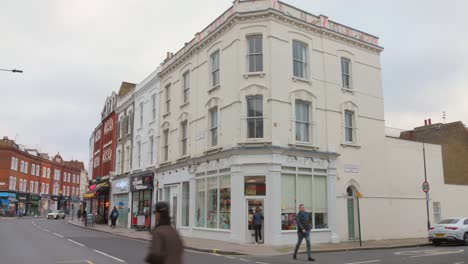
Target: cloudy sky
75, 52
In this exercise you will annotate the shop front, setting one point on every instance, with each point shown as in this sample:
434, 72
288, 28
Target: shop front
8, 203
120, 199
102, 203
44, 204
22, 208
54, 203
141, 186
33, 205
66, 204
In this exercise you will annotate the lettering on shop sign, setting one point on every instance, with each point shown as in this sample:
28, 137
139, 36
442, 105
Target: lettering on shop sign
213, 165
307, 162
142, 183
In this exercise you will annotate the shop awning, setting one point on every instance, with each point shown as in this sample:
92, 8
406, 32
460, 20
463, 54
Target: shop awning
91, 188
101, 186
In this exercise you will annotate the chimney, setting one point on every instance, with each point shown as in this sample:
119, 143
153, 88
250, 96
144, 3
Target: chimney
168, 55
430, 122
425, 122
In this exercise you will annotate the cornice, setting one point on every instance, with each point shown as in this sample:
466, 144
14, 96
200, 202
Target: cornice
169, 65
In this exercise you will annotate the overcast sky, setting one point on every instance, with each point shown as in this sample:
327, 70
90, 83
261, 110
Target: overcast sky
75, 52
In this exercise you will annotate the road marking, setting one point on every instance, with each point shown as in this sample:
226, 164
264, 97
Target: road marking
458, 262
76, 261
369, 261
258, 262
245, 260
76, 242
47, 230
230, 257
107, 255
429, 252
58, 235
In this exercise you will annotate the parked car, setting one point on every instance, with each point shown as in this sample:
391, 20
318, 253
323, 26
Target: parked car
453, 230
56, 214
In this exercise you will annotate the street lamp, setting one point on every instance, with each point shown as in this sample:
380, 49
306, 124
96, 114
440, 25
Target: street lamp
14, 70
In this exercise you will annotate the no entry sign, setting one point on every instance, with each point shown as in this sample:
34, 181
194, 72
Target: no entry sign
425, 186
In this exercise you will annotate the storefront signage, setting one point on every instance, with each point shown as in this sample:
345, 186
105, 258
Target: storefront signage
21, 197
2, 183
308, 162
142, 182
120, 186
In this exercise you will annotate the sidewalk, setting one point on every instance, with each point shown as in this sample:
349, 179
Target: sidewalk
221, 247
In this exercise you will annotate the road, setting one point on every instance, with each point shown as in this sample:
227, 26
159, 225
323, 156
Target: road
41, 241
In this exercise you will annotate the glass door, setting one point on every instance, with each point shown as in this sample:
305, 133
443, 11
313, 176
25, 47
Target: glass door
254, 205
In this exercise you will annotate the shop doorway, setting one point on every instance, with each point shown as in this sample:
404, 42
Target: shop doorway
252, 205
171, 196
352, 212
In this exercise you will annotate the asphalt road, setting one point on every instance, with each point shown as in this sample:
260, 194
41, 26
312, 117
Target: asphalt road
41, 241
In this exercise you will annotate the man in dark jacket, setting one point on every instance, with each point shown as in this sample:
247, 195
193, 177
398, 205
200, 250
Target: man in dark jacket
303, 231
167, 246
113, 216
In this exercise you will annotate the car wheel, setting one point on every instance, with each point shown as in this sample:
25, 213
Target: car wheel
63, 217
56, 217
436, 243
465, 239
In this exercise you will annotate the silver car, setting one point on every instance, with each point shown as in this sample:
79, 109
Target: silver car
56, 215
450, 230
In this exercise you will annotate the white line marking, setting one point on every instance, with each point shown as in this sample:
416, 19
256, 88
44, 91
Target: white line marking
107, 255
369, 261
58, 235
258, 262
230, 257
47, 230
76, 242
458, 262
245, 260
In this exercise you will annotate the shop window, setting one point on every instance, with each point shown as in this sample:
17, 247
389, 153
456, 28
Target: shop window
225, 202
255, 186
200, 213
302, 187
185, 203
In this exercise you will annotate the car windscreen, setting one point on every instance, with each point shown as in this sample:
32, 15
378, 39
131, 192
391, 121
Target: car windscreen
448, 221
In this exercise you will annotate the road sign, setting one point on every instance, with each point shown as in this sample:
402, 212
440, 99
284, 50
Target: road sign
425, 186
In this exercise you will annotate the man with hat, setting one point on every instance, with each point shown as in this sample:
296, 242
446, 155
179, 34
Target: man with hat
167, 246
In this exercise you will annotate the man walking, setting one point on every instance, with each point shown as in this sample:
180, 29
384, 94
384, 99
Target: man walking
303, 231
167, 246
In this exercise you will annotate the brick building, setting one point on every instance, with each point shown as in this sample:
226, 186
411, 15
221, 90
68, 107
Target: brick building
453, 137
33, 184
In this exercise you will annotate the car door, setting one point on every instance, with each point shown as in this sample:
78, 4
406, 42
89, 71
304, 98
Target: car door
465, 225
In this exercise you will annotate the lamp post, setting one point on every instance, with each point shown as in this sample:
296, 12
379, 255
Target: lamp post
14, 70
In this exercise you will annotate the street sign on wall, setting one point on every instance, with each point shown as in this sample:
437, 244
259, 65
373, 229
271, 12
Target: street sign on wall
425, 186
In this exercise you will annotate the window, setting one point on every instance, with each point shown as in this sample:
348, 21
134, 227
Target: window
183, 137
153, 106
56, 174
437, 212
33, 169
26, 168
12, 166
22, 166
186, 91
12, 183
213, 200
255, 116
304, 186
48, 172
141, 114
346, 73
36, 187
68, 191
139, 153
214, 126
185, 203
215, 68
47, 188
130, 122
64, 190
349, 126
127, 165
38, 170
118, 161
151, 150
255, 53
42, 188
466, 222
31, 186
117, 131
44, 172
302, 121
166, 144
168, 98
73, 178
300, 60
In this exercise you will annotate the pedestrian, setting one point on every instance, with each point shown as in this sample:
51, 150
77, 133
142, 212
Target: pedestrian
113, 216
303, 231
85, 216
166, 246
78, 214
257, 224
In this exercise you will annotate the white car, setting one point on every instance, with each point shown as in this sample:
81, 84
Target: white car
450, 230
56, 215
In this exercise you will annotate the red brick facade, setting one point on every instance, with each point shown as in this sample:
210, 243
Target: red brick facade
104, 147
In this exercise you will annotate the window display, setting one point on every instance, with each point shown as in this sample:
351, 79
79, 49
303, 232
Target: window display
200, 213
255, 186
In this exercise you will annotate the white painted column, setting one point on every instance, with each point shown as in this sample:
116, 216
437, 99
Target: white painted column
335, 238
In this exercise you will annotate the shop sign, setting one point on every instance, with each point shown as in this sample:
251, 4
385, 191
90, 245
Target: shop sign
2, 183
34, 198
21, 197
120, 186
142, 182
